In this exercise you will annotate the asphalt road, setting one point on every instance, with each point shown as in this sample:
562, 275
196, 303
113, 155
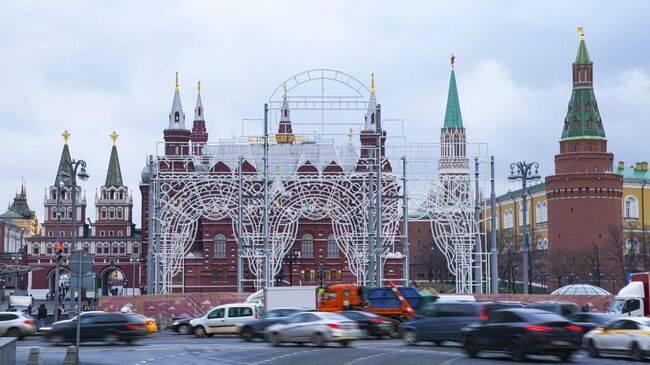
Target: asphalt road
167, 348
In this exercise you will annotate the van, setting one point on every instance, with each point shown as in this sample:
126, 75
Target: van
225, 319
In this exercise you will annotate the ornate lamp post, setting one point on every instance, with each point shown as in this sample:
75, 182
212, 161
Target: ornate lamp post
321, 273
133, 260
524, 171
293, 255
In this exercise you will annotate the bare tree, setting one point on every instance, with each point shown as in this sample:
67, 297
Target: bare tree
558, 263
624, 252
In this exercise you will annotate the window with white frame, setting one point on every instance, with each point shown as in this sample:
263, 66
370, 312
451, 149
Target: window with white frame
307, 245
631, 209
332, 247
538, 213
220, 245
544, 212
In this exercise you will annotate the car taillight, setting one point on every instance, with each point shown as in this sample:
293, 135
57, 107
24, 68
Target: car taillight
376, 320
132, 327
574, 328
333, 325
28, 321
484, 314
536, 328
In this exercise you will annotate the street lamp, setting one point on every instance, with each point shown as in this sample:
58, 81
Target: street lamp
321, 273
524, 171
2, 281
133, 260
71, 172
293, 255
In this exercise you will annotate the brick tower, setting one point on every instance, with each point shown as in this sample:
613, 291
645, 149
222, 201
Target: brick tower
584, 195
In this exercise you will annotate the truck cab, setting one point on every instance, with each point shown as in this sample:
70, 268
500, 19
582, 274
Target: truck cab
633, 299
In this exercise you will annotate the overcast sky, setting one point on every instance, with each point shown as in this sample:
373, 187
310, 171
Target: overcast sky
96, 67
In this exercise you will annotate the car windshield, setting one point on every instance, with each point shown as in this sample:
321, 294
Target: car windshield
333, 317
546, 317
277, 313
616, 306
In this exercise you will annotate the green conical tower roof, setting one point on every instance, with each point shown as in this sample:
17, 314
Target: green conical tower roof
114, 174
583, 119
64, 163
453, 119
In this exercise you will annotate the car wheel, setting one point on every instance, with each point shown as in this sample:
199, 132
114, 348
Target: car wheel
111, 339
345, 343
14, 332
518, 350
438, 343
199, 332
410, 338
592, 349
566, 356
56, 339
635, 352
394, 330
246, 334
469, 347
183, 329
274, 339
318, 340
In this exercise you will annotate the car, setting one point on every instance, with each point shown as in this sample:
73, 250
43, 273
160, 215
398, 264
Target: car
150, 324
590, 320
16, 324
255, 328
522, 332
442, 321
318, 328
625, 336
562, 308
99, 326
372, 324
182, 325
224, 319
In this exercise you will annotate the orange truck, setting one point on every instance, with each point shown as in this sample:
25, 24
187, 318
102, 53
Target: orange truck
399, 303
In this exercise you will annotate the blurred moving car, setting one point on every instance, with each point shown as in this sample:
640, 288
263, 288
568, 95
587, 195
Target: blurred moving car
442, 321
371, 324
590, 320
522, 332
626, 336
224, 319
99, 326
318, 328
561, 308
16, 324
182, 325
255, 328
150, 324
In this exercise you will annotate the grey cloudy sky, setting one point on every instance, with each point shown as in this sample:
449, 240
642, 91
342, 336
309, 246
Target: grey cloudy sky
95, 67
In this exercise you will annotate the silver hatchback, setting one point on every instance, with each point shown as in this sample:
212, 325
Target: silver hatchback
318, 328
16, 324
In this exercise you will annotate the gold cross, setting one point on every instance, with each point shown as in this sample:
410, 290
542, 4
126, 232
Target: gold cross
66, 136
114, 137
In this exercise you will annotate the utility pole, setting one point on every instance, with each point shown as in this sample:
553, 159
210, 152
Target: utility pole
478, 250
494, 263
405, 227
267, 268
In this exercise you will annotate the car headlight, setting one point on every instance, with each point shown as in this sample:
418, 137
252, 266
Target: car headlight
174, 323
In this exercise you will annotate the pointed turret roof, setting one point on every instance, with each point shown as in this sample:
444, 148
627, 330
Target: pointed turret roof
372, 107
198, 109
114, 174
176, 115
64, 162
583, 55
453, 118
20, 206
583, 119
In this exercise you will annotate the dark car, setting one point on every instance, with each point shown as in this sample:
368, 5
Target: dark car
182, 325
590, 320
442, 321
562, 308
255, 328
99, 326
371, 324
521, 332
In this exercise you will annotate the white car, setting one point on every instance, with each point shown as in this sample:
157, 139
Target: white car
225, 319
625, 335
315, 327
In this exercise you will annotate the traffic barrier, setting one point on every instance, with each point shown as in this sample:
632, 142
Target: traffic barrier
7, 351
70, 356
34, 357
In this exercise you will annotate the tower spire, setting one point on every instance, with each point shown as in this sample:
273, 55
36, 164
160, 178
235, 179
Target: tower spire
372, 107
453, 118
114, 174
64, 162
285, 132
198, 109
176, 116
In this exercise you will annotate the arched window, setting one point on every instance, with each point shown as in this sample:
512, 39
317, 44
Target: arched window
631, 208
35, 249
307, 245
539, 245
332, 247
119, 213
632, 246
177, 117
544, 245
103, 212
220, 245
538, 213
111, 213
544, 212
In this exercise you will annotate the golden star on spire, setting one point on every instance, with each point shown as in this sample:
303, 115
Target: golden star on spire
66, 135
372, 82
285, 89
199, 87
114, 137
176, 80
582, 32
